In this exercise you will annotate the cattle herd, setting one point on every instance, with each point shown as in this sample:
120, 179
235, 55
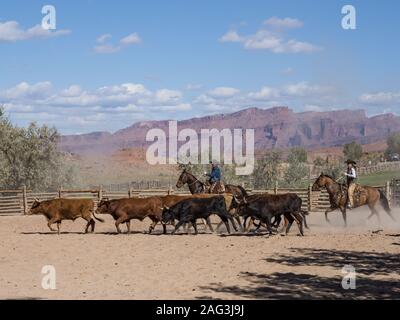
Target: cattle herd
178, 210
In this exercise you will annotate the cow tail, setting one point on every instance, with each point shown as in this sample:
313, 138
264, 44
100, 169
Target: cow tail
98, 219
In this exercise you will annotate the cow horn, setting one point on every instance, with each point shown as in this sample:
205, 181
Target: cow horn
36, 199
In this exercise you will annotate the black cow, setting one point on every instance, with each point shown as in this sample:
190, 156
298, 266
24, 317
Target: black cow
190, 210
267, 206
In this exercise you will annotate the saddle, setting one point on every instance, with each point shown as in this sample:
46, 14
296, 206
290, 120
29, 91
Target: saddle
217, 187
359, 195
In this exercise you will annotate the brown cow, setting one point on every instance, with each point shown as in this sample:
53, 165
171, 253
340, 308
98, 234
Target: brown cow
57, 210
123, 210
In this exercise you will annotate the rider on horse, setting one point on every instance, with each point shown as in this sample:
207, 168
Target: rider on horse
351, 175
215, 175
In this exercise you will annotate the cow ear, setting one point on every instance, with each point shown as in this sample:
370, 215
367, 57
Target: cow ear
322, 173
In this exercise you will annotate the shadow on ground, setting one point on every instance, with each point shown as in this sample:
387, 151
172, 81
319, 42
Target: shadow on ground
290, 285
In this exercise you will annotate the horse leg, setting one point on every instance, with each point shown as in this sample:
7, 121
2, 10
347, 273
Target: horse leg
374, 212
326, 214
344, 216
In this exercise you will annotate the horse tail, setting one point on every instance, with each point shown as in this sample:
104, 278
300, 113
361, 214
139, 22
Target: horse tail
385, 203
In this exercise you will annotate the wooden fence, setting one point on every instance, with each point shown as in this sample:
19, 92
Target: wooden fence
18, 202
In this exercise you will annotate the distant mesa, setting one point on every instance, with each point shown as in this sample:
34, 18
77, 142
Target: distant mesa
278, 127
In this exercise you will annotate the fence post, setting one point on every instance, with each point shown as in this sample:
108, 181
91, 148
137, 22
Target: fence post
24, 199
276, 187
310, 198
60, 192
100, 193
388, 193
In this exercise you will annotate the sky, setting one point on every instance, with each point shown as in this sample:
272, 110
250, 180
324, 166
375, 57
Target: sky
109, 64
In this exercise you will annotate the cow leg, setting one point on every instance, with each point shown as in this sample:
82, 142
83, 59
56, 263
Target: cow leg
92, 223
50, 222
178, 225
305, 221
299, 221
233, 222
239, 222
210, 225
118, 222
269, 224
164, 228
246, 228
153, 225
58, 226
290, 222
194, 224
128, 226
226, 222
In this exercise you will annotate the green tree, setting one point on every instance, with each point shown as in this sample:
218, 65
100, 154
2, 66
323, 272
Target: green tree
297, 169
353, 151
298, 155
393, 142
29, 156
266, 171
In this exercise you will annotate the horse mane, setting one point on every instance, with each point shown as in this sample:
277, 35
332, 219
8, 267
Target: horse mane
193, 176
328, 176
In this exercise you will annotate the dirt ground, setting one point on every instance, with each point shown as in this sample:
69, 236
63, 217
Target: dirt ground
105, 265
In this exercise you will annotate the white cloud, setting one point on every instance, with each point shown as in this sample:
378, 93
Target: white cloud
223, 92
167, 96
11, 31
266, 93
272, 40
72, 91
231, 36
380, 98
103, 38
107, 48
288, 23
133, 38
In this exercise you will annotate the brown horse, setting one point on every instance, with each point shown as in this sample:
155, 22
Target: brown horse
338, 197
196, 186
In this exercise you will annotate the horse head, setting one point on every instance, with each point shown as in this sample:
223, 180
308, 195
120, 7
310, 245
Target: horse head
319, 183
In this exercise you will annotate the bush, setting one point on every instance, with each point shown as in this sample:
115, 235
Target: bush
29, 156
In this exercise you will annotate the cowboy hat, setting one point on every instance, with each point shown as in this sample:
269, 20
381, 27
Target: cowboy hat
351, 162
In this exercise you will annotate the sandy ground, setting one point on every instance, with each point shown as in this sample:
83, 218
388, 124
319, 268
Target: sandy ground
105, 265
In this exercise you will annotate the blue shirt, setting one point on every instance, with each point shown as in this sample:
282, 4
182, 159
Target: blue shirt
215, 174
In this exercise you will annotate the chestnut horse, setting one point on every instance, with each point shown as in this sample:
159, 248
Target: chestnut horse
196, 186
338, 197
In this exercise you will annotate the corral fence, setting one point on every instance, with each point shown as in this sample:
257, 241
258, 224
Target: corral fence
18, 202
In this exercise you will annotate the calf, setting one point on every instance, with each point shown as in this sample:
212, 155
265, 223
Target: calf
190, 210
264, 207
57, 210
123, 210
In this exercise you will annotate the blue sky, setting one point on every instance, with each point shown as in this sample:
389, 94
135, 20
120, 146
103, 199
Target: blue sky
112, 63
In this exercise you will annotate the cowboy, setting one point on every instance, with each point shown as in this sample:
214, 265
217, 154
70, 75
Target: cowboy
351, 175
215, 175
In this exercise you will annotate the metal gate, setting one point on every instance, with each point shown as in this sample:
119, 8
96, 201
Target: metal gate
395, 186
